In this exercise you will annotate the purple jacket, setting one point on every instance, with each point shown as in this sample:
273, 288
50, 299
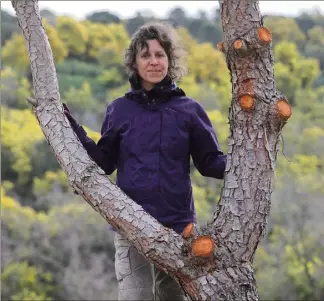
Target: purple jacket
149, 138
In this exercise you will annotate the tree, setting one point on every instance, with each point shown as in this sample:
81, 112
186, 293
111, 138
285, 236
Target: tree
8, 26
112, 37
178, 16
104, 17
294, 72
14, 88
14, 53
133, 23
214, 263
285, 29
73, 34
49, 16
314, 47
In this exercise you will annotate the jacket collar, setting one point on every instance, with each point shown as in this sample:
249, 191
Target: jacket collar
162, 92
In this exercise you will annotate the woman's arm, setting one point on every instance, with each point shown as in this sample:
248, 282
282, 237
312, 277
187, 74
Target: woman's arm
204, 146
105, 152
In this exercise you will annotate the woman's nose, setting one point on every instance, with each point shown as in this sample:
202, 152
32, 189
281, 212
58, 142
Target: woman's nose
154, 61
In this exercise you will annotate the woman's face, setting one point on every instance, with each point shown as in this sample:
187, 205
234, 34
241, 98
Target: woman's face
152, 64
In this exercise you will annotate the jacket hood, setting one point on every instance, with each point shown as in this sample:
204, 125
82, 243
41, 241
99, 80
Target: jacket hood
162, 91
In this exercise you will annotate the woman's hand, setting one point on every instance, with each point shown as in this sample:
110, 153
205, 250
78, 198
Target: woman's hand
67, 113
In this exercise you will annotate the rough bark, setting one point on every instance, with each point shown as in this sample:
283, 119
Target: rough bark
240, 219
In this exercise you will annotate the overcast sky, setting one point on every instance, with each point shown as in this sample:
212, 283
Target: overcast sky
79, 9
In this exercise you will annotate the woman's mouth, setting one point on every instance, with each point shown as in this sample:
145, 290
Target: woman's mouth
154, 72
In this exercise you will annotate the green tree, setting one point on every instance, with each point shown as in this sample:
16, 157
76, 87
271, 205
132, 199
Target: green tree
9, 25
285, 29
199, 66
133, 23
80, 100
14, 89
305, 21
24, 282
112, 37
14, 52
74, 35
19, 130
49, 16
314, 47
104, 17
292, 71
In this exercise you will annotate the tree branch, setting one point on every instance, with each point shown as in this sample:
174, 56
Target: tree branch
258, 113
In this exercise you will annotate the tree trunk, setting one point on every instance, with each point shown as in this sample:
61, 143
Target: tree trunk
213, 263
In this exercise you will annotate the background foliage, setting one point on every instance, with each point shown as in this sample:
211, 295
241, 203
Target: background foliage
55, 247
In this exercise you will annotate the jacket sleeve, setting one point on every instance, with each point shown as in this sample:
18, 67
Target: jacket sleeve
105, 152
204, 146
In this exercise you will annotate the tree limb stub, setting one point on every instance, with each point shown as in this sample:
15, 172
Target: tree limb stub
220, 46
246, 102
284, 109
240, 47
188, 231
32, 101
203, 246
264, 34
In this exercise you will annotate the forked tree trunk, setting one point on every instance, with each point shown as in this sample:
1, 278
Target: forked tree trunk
214, 263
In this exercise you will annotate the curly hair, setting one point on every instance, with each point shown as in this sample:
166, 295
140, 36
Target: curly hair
166, 34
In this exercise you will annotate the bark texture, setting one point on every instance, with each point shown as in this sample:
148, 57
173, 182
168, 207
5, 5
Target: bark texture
240, 219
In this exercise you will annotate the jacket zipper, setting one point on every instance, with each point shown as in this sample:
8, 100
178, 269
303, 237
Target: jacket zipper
160, 146
153, 103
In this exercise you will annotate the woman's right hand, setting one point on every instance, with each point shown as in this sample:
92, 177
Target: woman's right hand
76, 127
74, 124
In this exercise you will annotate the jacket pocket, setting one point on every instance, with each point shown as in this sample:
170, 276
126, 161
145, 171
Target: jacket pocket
122, 257
175, 134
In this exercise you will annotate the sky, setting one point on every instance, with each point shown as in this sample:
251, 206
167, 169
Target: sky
126, 9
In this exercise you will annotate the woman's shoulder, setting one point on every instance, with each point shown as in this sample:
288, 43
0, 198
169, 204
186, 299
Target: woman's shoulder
120, 110
118, 103
187, 102
119, 100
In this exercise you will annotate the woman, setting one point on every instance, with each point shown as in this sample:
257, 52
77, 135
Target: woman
148, 136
